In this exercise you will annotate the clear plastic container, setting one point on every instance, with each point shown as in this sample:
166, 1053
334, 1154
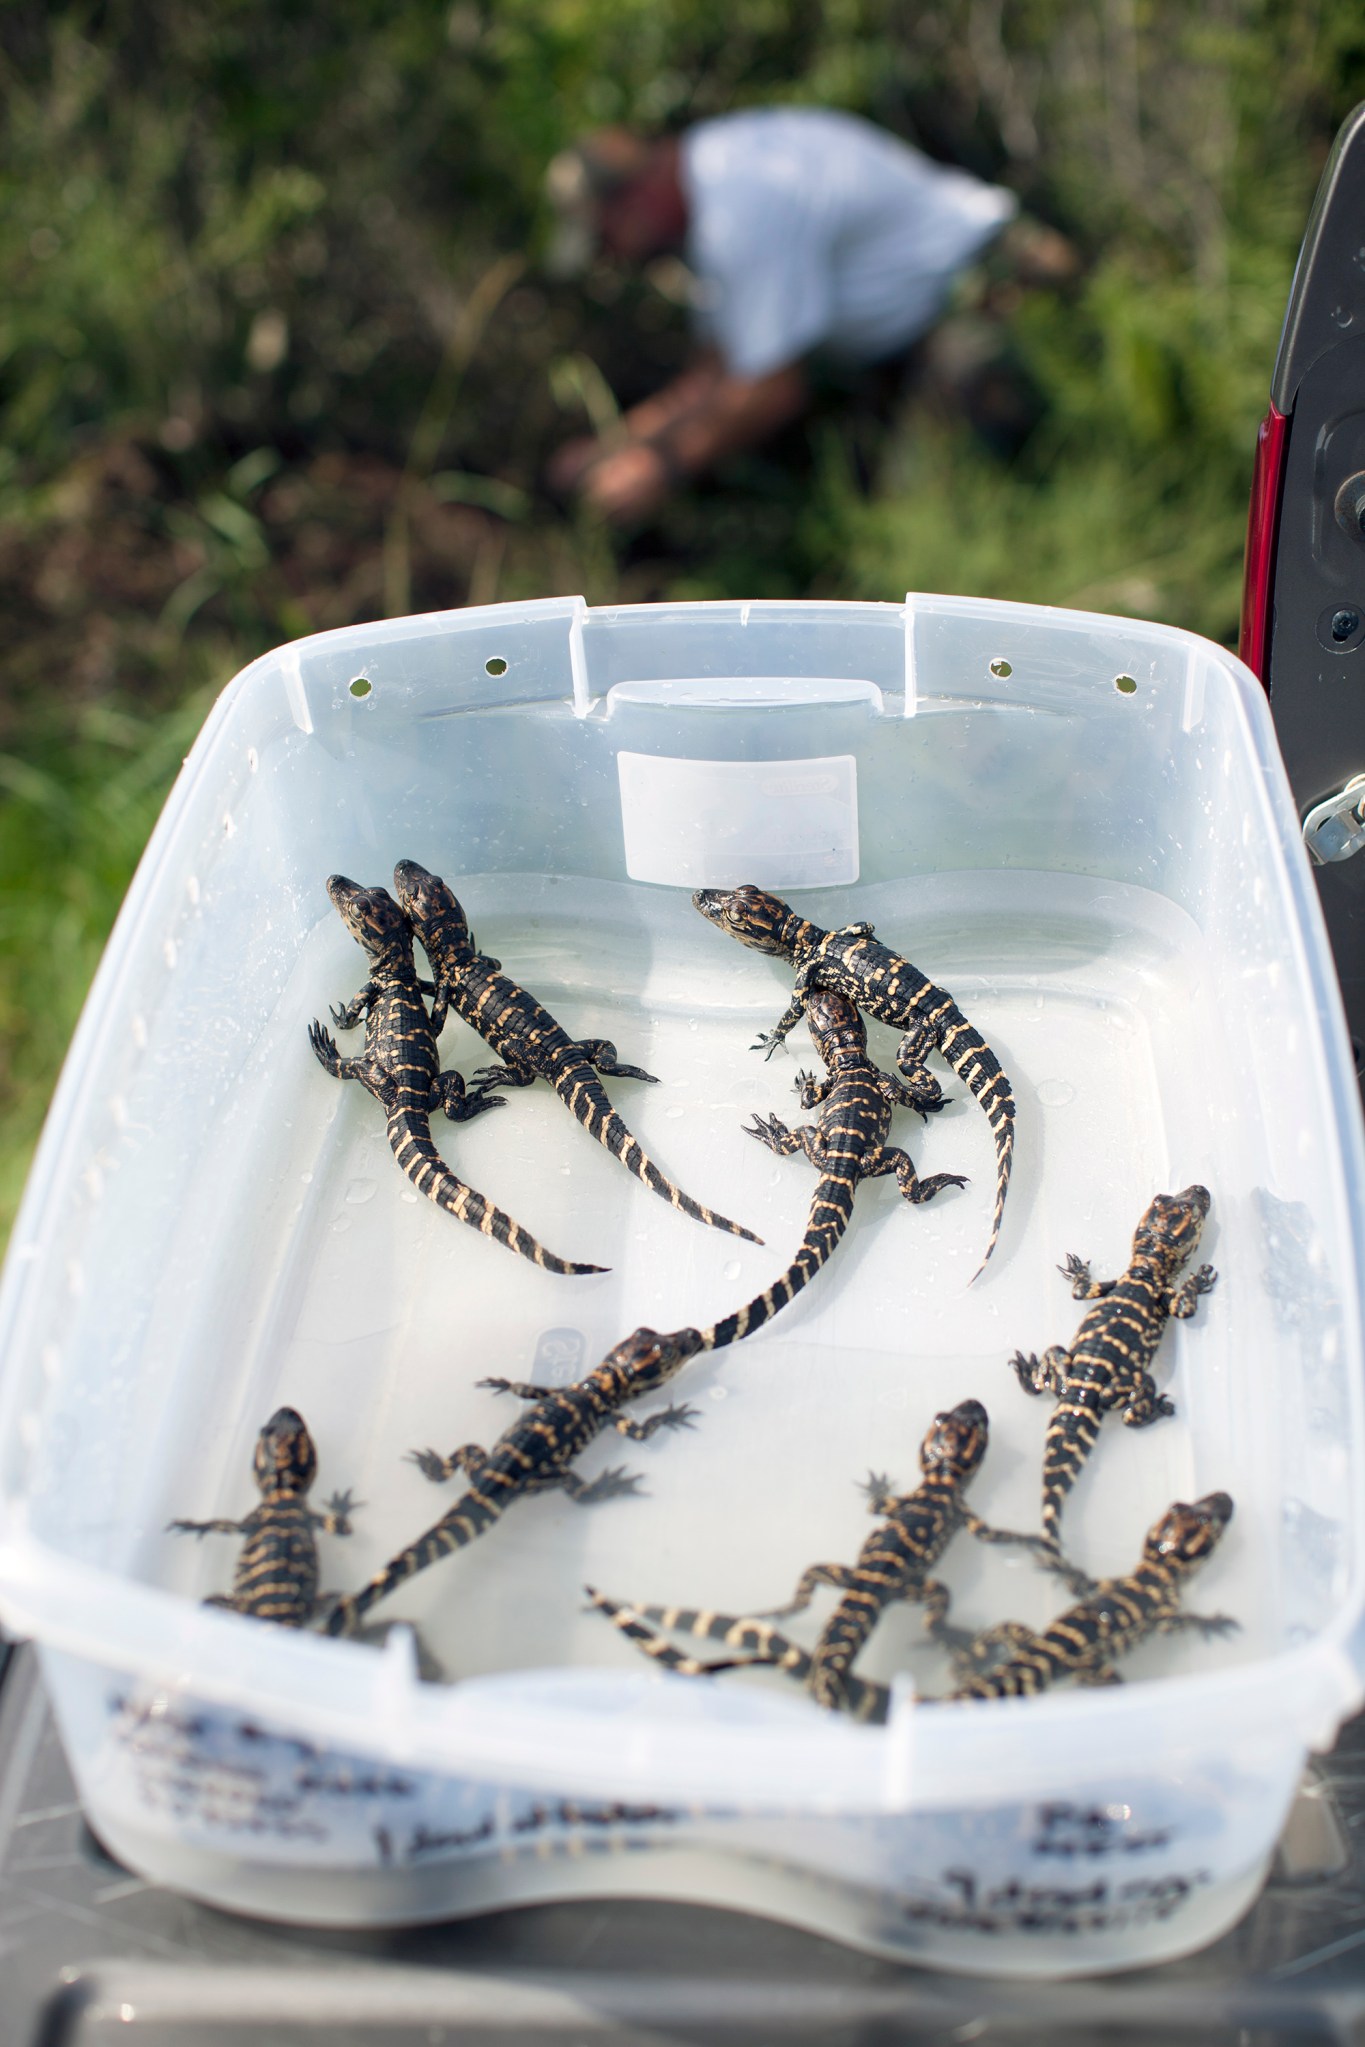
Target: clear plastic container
1080, 826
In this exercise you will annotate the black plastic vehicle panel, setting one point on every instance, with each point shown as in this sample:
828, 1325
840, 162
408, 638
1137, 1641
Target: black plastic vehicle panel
1315, 662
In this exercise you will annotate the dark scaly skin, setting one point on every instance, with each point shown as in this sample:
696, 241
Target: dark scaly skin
537, 1454
401, 1069
526, 1037
763, 1644
276, 1578
1112, 1617
1107, 1364
1082, 1644
852, 962
894, 1564
846, 1144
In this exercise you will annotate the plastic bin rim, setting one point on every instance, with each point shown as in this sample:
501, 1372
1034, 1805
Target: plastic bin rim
576, 612
479, 1727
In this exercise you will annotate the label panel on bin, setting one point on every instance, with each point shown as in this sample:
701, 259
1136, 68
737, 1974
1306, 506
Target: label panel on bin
781, 824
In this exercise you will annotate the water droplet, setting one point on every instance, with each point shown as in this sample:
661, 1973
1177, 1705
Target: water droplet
720, 1393
409, 1196
169, 952
306, 1178
360, 1190
1055, 1094
340, 1224
674, 1109
730, 1270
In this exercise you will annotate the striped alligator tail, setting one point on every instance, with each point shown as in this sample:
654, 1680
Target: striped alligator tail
598, 1117
972, 1059
760, 1642
470, 1517
829, 1218
764, 1645
410, 1141
1072, 1435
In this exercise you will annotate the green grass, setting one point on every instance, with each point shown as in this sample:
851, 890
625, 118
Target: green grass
77, 809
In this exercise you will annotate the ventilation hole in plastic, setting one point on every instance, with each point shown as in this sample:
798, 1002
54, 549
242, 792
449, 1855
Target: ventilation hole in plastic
362, 686
1125, 685
1002, 668
495, 666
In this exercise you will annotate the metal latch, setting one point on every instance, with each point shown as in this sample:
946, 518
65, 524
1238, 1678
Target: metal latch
1335, 828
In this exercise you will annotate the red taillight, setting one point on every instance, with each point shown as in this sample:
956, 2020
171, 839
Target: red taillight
1262, 526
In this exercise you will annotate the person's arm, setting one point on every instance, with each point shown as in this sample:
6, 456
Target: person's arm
569, 464
693, 387
686, 428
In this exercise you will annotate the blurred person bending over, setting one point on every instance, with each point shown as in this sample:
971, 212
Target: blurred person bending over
804, 231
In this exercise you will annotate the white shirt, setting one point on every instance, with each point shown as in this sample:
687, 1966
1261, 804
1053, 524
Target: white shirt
809, 228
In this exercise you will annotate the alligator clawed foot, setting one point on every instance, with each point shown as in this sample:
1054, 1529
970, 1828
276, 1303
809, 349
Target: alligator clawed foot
324, 1046
430, 1463
613, 1484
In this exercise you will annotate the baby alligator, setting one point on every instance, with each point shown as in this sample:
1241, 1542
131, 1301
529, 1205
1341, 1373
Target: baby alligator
537, 1453
1083, 1643
1106, 1366
1112, 1617
845, 1145
853, 963
277, 1572
526, 1037
893, 1564
401, 1069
